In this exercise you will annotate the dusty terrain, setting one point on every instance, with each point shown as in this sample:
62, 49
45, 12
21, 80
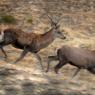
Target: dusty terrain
27, 77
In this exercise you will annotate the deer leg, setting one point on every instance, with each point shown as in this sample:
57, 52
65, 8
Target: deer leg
39, 58
4, 52
76, 72
25, 51
92, 70
50, 58
59, 65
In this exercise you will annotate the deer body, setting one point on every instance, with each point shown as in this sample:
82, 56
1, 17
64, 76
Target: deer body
18, 35
79, 57
29, 42
42, 41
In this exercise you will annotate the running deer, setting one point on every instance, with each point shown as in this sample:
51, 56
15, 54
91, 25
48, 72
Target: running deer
30, 42
78, 57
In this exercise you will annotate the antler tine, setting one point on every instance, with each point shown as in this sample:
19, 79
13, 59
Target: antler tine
46, 11
50, 19
59, 19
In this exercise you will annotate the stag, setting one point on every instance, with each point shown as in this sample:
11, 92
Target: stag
78, 57
30, 42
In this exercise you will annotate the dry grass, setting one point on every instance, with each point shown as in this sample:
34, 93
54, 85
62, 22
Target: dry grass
30, 78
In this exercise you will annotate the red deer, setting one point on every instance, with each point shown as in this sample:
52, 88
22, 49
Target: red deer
30, 42
79, 57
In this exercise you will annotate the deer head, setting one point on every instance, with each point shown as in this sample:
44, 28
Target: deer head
56, 28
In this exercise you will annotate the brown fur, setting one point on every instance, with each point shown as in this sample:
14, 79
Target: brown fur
79, 57
30, 42
25, 38
21, 36
43, 40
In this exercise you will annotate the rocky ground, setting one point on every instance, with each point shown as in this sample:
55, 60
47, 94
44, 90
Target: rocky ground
27, 77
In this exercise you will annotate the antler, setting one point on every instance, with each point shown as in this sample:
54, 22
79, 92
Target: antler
47, 14
60, 18
52, 21
50, 18
46, 11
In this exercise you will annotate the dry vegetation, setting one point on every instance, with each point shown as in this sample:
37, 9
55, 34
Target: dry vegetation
26, 77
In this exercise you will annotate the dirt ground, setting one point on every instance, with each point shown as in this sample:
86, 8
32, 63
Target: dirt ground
27, 78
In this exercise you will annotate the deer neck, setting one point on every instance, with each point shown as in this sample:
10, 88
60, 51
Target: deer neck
50, 34
46, 39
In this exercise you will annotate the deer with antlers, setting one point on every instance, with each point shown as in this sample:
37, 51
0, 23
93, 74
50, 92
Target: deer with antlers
30, 42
